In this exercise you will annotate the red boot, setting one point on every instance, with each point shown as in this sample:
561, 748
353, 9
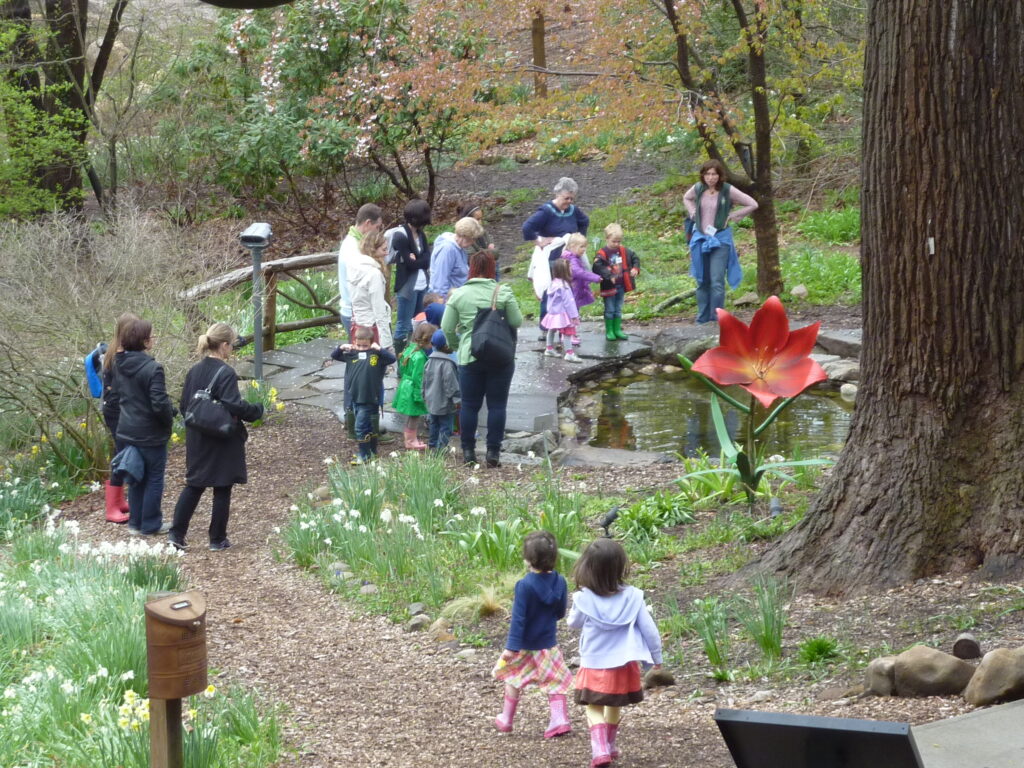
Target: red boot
599, 745
122, 500
559, 723
114, 495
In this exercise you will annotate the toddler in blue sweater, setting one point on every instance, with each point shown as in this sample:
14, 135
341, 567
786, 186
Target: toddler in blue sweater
531, 652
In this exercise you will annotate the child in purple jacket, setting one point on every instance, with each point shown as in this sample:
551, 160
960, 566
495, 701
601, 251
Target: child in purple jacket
574, 252
562, 317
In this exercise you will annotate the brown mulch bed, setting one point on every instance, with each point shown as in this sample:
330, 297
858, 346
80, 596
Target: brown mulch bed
360, 690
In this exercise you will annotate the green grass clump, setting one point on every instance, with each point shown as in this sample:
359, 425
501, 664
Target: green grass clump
818, 650
830, 278
834, 227
73, 658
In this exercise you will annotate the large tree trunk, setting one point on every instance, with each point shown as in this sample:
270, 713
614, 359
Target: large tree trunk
932, 479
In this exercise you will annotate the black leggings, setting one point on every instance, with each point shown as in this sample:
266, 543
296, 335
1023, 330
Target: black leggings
186, 507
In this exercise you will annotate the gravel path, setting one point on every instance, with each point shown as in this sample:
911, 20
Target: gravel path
360, 690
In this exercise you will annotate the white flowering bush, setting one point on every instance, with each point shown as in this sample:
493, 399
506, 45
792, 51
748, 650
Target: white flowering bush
73, 658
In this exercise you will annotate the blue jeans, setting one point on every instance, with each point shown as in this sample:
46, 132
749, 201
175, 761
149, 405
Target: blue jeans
408, 308
346, 323
441, 426
613, 304
144, 497
479, 382
364, 428
711, 288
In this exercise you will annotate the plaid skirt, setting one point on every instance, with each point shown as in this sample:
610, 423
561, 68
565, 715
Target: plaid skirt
614, 687
546, 669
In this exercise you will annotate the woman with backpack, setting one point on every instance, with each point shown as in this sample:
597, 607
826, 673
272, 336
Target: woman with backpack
479, 380
213, 462
145, 416
709, 204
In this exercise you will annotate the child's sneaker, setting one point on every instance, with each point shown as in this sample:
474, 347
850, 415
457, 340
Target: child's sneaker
357, 460
550, 352
575, 341
572, 357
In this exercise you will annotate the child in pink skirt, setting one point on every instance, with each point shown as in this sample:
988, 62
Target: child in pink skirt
531, 652
618, 632
562, 317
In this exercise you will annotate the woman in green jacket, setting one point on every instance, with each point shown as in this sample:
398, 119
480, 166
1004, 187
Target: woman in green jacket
477, 380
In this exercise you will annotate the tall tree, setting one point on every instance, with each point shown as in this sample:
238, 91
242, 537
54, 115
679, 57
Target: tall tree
930, 480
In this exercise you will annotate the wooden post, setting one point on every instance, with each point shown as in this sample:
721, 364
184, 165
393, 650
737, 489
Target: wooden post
165, 737
540, 85
270, 313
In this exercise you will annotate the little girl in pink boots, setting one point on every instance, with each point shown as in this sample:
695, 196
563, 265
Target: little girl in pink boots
531, 652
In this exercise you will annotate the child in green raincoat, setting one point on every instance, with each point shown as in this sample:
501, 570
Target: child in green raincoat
409, 395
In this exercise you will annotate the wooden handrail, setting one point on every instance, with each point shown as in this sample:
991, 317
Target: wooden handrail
244, 274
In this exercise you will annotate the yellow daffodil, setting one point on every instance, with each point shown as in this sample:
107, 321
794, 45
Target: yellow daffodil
35, 450
210, 691
85, 717
279, 406
175, 438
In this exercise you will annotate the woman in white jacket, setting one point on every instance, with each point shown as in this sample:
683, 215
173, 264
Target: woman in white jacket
367, 286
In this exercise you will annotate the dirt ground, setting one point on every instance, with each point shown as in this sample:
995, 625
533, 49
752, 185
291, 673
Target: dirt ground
360, 690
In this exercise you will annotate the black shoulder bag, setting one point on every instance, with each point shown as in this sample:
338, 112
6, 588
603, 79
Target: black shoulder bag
207, 415
494, 340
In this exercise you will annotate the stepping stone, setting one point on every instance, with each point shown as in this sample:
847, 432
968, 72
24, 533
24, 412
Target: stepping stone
986, 738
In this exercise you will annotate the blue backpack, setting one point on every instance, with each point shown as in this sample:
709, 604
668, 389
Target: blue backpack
93, 368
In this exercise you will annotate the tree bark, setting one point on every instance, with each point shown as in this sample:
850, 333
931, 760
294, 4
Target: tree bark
930, 480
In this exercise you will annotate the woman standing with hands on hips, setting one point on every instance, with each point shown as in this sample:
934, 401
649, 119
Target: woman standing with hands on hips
709, 203
213, 462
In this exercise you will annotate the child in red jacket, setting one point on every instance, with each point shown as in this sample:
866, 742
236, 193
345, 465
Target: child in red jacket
618, 267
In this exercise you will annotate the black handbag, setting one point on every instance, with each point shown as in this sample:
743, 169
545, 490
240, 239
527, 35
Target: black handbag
207, 415
494, 340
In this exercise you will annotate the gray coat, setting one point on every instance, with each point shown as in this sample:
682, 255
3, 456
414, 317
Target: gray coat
441, 391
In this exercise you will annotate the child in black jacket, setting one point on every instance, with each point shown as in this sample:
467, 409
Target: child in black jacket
365, 365
618, 267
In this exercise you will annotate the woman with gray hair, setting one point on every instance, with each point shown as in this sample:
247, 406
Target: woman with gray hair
554, 219
558, 217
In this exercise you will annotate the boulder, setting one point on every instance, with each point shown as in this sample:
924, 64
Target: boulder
880, 676
800, 291
924, 671
531, 442
415, 609
848, 392
418, 623
749, 299
1000, 677
368, 589
966, 646
839, 342
843, 370
657, 678
651, 369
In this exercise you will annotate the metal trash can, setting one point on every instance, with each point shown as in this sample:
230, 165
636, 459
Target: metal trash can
176, 645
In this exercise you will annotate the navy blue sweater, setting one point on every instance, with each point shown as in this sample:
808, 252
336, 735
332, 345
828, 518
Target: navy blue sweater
540, 601
548, 221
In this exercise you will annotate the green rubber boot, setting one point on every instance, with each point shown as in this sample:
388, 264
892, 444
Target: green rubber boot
350, 424
617, 328
384, 438
609, 329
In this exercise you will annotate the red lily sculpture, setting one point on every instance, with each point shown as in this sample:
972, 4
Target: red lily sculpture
766, 359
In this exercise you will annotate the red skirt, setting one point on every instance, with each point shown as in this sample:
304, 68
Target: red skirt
614, 687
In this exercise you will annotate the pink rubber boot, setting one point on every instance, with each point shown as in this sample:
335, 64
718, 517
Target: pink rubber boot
613, 731
113, 495
559, 723
503, 722
599, 745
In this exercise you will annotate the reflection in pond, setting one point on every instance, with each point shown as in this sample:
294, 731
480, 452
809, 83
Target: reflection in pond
674, 416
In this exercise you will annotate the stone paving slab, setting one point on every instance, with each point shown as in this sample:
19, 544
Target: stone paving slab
288, 359
985, 738
316, 349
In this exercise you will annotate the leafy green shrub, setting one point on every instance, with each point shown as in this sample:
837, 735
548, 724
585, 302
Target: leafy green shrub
710, 620
764, 616
835, 227
817, 650
831, 278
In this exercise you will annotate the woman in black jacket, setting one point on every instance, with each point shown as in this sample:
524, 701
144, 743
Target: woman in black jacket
145, 415
412, 265
213, 462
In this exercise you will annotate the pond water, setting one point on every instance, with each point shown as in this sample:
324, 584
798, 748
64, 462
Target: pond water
673, 415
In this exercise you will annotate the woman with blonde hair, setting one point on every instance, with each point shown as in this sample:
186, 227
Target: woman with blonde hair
367, 287
213, 462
